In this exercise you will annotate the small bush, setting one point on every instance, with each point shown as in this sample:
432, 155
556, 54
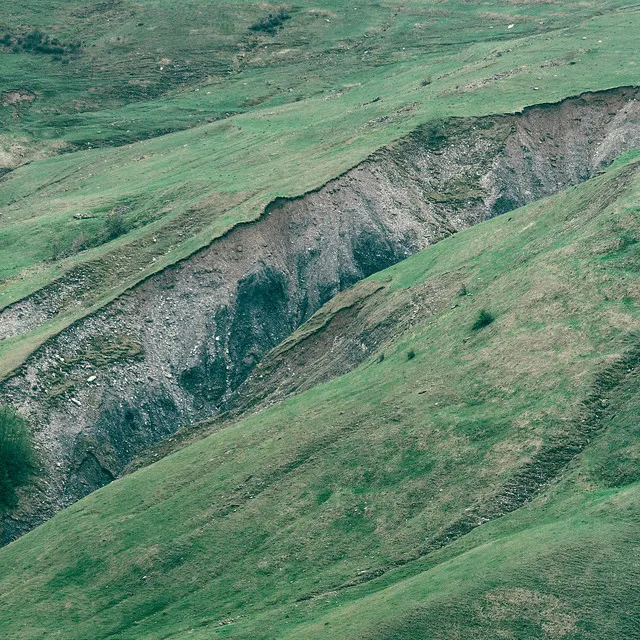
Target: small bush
17, 455
80, 243
57, 249
271, 22
484, 319
436, 135
115, 224
411, 354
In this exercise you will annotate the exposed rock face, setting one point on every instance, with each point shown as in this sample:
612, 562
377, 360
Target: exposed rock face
174, 349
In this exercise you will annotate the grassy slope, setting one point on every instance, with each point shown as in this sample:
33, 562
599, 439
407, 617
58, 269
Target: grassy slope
564, 566
345, 511
349, 95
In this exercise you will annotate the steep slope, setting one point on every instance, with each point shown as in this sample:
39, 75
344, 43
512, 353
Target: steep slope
480, 479
141, 141
291, 111
566, 566
177, 348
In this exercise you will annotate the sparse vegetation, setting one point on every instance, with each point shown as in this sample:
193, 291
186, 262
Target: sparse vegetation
17, 455
64, 247
101, 351
436, 135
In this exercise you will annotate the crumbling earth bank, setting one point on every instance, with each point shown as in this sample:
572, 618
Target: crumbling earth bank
174, 349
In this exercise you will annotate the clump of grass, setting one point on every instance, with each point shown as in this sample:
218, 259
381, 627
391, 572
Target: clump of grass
484, 319
271, 22
17, 455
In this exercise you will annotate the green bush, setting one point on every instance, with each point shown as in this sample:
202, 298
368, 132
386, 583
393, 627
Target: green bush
57, 249
484, 319
17, 455
115, 224
271, 22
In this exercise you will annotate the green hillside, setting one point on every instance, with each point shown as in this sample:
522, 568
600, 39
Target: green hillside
481, 480
95, 198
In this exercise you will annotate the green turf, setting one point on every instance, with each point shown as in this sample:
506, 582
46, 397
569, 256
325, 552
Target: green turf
253, 116
487, 487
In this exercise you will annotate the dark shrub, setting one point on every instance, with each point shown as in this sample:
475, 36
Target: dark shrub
484, 319
271, 22
80, 243
57, 249
411, 354
436, 135
17, 455
115, 224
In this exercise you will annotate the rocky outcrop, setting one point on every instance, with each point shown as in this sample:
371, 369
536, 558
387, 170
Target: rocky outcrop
176, 348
